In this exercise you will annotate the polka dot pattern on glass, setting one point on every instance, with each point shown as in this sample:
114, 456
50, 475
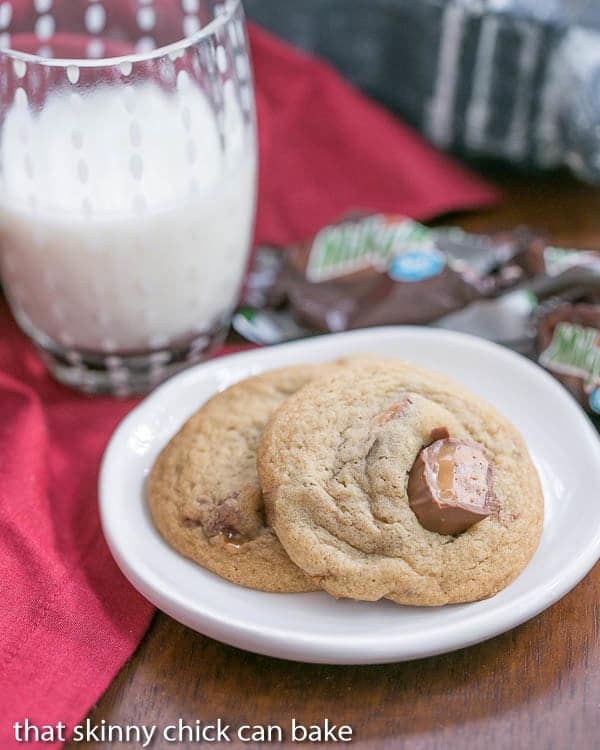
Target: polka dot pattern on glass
183, 80
191, 25
241, 67
6, 12
145, 44
21, 99
73, 73
190, 6
42, 6
221, 59
168, 71
95, 18
44, 27
95, 48
20, 68
146, 18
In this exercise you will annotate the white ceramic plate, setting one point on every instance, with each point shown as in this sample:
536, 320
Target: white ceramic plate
316, 627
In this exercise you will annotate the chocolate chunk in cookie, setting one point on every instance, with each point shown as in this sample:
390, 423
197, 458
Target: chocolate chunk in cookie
450, 486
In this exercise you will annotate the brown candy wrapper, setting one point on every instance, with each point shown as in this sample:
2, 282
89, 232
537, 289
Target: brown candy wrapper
380, 270
512, 287
569, 347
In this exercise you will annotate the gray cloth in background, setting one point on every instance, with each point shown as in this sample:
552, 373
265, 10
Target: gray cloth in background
517, 80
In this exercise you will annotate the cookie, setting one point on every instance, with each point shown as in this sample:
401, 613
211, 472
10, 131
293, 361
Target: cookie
335, 461
203, 490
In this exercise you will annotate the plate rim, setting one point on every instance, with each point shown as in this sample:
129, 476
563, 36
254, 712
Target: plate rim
274, 641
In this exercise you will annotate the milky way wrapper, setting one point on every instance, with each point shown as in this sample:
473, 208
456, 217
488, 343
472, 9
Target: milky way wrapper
382, 270
512, 287
569, 348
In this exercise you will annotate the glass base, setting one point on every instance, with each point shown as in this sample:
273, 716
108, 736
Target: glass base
125, 374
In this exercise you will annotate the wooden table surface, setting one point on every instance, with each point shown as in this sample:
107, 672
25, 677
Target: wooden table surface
535, 687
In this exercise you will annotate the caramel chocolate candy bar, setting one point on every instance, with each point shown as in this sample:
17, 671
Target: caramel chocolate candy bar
450, 486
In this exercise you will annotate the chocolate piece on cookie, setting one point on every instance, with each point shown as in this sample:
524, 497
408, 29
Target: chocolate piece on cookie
450, 486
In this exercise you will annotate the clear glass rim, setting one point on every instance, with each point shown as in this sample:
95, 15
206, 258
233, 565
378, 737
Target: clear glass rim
173, 49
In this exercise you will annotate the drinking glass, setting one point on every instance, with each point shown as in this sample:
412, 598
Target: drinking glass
127, 182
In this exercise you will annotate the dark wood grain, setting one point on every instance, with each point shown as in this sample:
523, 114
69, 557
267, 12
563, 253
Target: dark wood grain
533, 688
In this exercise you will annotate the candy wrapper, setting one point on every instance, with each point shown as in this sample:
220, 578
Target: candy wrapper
380, 270
512, 287
553, 318
569, 347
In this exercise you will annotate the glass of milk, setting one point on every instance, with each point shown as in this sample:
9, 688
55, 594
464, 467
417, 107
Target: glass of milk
127, 182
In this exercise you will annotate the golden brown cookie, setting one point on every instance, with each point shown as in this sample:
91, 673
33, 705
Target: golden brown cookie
203, 490
334, 464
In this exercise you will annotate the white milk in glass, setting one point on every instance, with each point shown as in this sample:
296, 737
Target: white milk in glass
125, 216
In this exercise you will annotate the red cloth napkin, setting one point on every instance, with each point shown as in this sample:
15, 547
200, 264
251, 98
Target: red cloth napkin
69, 620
